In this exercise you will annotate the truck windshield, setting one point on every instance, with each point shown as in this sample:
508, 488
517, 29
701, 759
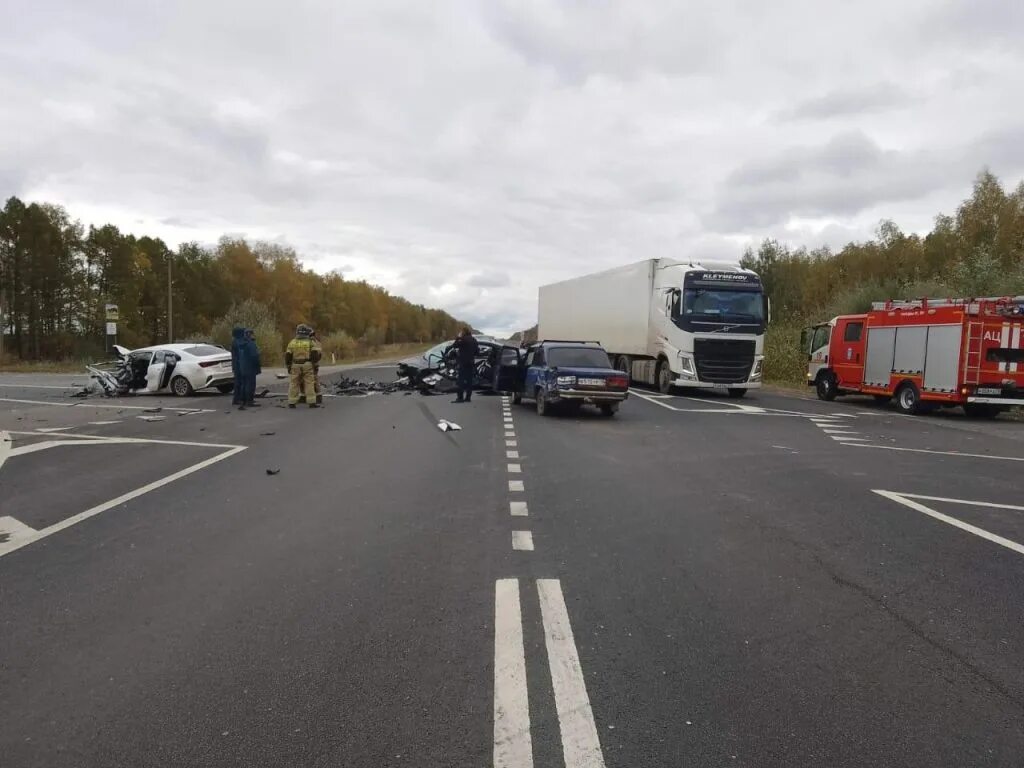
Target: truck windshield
577, 357
712, 307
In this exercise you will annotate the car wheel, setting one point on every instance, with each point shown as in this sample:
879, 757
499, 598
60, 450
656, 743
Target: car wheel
908, 399
826, 387
609, 409
225, 389
542, 405
737, 393
517, 398
663, 375
181, 387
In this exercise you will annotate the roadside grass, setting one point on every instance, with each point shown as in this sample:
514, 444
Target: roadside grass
381, 354
785, 363
13, 365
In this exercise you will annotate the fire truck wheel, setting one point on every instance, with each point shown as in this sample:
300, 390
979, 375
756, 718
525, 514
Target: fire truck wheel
826, 387
981, 410
908, 399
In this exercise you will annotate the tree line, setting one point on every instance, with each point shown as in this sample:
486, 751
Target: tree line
978, 251
56, 276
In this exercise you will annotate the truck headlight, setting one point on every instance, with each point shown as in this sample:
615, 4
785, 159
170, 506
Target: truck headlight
756, 373
686, 365
566, 381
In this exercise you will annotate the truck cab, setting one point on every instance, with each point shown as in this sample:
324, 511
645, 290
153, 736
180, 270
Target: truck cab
835, 355
566, 375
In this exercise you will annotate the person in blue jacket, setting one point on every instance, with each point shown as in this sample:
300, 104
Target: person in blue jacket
237, 342
253, 368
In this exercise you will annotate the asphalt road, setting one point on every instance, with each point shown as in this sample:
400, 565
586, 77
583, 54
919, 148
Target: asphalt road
696, 582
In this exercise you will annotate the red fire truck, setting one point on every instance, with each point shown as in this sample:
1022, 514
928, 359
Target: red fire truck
927, 353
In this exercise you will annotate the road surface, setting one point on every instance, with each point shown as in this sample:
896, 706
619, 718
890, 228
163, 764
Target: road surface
696, 582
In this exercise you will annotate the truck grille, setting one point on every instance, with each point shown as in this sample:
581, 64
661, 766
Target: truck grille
723, 361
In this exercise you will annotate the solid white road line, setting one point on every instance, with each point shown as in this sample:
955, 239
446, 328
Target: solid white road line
836, 430
39, 386
6, 446
941, 453
11, 546
966, 502
516, 486
580, 745
849, 438
85, 439
90, 404
513, 747
518, 508
510, 443
515, 469
103, 423
47, 430
14, 530
522, 541
994, 538
511, 454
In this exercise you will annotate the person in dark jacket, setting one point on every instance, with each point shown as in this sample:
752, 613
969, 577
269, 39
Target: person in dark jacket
237, 342
466, 349
253, 368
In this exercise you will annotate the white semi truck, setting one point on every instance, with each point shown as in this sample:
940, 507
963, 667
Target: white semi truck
666, 323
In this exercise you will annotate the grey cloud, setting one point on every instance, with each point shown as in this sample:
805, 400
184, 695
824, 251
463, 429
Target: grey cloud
849, 102
489, 279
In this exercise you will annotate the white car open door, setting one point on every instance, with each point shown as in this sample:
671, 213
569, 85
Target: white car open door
155, 373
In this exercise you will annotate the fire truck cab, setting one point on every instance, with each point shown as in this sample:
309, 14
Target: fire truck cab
924, 354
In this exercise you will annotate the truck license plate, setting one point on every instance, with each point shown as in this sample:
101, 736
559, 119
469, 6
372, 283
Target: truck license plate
989, 391
591, 382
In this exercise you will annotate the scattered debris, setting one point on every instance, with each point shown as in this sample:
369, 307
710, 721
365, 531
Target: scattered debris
282, 375
152, 418
191, 412
353, 387
152, 410
273, 471
448, 426
267, 434
263, 392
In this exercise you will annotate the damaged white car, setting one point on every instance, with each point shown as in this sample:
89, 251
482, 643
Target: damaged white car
181, 368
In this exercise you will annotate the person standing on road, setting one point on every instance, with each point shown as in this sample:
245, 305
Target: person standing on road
300, 358
253, 368
319, 349
466, 349
237, 343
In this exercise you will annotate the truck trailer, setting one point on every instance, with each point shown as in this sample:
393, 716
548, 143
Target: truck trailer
925, 354
666, 323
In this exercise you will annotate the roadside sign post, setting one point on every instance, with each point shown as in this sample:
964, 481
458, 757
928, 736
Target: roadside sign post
112, 316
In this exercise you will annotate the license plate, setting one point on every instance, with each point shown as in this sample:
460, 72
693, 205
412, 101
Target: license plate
719, 386
989, 391
591, 382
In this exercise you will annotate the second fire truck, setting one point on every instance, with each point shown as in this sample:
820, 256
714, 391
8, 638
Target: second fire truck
924, 354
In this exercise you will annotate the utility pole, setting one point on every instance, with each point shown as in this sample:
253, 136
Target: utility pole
170, 302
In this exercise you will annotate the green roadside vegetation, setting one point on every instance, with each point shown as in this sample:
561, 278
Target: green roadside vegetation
978, 251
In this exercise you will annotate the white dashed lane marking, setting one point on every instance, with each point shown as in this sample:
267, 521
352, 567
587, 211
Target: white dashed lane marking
510, 443
515, 486
515, 469
518, 508
511, 454
522, 541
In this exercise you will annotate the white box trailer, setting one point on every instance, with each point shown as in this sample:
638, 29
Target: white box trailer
666, 323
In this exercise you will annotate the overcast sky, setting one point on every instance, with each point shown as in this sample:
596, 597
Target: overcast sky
463, 153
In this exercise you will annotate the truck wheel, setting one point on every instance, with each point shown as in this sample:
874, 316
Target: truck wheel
827, 388
181, 387
981, 410
908, 399
542, 405
225, 389
736, 394
663, 375
622, 364
609, 409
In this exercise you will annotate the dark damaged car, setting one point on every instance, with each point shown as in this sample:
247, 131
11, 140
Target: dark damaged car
436, 369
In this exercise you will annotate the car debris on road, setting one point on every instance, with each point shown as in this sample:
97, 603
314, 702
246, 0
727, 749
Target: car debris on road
448, 426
